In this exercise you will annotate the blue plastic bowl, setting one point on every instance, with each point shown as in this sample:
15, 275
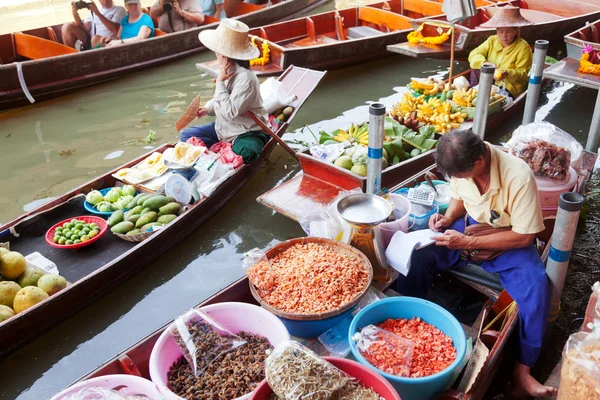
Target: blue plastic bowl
421, 221
312, 329
410, 307
89, 207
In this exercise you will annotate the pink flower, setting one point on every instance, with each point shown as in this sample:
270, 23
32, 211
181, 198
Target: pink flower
587, 49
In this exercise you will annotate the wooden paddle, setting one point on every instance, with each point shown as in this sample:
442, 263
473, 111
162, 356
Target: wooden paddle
189, 115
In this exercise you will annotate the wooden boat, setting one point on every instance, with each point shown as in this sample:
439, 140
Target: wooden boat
96, 269
51, 69
339, 38
552, 18
588, 35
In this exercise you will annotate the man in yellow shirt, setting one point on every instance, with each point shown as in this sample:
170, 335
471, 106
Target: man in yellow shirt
507, 51
489, 186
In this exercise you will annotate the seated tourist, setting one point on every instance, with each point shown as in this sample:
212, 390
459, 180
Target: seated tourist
177, 15
213, 8
135, 26
102, 21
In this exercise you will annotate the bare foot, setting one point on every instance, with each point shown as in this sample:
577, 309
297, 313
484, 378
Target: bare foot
525, 385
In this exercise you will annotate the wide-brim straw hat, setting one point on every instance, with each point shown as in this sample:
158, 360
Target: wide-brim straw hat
506, 17
231, 40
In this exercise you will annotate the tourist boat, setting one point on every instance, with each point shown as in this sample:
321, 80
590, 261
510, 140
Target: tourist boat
339, 38
588, 35
50, 69
552, 20
96, 269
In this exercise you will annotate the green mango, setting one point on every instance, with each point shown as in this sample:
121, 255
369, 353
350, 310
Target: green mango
156, 202
115, 218
122, 227
146, 218
167, 218
171, 208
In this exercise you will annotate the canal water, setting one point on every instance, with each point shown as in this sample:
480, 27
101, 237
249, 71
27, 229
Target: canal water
51, 147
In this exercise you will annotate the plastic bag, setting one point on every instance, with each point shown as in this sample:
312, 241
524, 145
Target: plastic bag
202, 339
548, 150
294, 372
257, 267
385, 350
360, 156
592, 312
99, 393
328, 152
211, 173
580, 373
273, 95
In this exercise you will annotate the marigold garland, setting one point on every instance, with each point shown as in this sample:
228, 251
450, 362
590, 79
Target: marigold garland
265, 53
417, 37
585, 66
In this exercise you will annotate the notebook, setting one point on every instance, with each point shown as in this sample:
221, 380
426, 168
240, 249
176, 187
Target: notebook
402, 245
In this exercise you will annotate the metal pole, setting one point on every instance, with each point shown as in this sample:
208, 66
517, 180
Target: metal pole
486, 79
535, 81
375, 152
569, 206
594, 135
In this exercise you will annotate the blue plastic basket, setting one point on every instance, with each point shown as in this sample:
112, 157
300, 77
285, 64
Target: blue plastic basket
417, 222
312, 329
89, 207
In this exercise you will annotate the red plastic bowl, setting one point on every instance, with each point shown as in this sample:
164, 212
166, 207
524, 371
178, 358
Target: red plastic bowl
88, 219
366, 376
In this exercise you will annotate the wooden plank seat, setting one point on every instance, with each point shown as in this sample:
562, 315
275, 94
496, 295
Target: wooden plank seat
376, 16
36, 48
358, 32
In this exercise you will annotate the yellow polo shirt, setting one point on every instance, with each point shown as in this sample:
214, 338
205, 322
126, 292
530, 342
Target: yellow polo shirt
512, 193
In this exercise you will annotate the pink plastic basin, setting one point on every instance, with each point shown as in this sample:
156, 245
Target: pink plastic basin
364, 375
234, 316
402, 207
549, 190
134, 384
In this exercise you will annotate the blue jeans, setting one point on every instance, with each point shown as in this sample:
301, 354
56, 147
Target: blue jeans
522, 273
206, 133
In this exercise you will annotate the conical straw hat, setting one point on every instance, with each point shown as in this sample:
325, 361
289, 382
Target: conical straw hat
506, 17
230, 39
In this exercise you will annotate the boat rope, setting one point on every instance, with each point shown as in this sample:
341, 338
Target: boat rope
23, 84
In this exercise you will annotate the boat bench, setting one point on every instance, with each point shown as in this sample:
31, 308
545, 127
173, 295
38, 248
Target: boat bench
358, 32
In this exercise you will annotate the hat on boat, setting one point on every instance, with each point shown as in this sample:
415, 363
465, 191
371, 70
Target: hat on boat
506, 17
230, 39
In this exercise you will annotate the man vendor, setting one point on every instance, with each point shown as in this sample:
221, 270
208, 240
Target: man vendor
506, 50
491, 187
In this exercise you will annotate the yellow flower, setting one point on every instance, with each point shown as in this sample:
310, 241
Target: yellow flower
265, 53
417, 37
586, 67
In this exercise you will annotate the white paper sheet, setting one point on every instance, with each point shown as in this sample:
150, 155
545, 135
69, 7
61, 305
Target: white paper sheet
402, 245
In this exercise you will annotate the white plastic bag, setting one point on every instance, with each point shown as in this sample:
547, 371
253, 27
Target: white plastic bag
211, 173
328, 152
580, 373
273, 95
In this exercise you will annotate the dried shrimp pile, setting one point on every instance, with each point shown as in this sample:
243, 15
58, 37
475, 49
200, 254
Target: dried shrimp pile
309, 278
580, 373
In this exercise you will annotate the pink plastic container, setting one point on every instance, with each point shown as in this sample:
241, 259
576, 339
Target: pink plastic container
366, 376
402, 208
234, 316
134, 384
549, 190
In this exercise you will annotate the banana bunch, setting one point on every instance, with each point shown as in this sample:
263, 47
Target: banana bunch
355, 134
439, 115
428, 87
464, 98
407, 105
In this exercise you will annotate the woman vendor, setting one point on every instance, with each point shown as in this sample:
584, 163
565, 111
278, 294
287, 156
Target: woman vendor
496, 190
237, 92
506, 50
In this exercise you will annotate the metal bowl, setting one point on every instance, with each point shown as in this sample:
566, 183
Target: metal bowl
364, 209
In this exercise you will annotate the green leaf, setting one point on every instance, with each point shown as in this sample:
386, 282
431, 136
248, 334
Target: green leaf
399, 151
389, 126
427, 130
324, 136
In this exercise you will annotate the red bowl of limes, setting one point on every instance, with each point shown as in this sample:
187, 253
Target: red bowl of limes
76, 232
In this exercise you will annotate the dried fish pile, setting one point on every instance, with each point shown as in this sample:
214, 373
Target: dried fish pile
231, 375
350, 391
309, 278
580, 373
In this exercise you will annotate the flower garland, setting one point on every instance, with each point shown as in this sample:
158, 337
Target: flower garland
265, 53
417, 37
585, 66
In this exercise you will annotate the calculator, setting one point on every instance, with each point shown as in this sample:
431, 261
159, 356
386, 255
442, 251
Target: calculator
420, 196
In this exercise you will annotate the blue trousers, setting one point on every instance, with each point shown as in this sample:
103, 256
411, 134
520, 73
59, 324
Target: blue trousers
206, 133
522, 273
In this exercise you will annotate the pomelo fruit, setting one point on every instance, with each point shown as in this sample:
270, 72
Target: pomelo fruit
6, 313
360, 169
8, 291
12, 264
30, 277
52, 283
384, 163
344, 162
28, 297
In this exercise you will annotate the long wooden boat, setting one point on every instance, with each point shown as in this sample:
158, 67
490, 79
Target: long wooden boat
96, 269
552, 20
51, 69
588, 35
339, 38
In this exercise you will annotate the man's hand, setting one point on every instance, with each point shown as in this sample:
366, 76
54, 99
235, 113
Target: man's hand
202, 112
501, 75
437, 222
453, 240
106, 40
74, 8
93, 8
226, 71
177, 8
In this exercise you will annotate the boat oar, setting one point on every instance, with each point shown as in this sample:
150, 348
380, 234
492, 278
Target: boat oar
266, 129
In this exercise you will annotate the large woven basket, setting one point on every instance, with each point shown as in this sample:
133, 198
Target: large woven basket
340, 248
140, 237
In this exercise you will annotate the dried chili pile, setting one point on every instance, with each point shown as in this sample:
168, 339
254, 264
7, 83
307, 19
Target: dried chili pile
309, 278
231, 375
433, 350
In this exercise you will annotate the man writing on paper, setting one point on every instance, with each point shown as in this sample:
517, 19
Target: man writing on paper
497, 192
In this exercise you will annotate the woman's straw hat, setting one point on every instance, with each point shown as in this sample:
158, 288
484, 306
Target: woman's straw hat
506, 17
230, 39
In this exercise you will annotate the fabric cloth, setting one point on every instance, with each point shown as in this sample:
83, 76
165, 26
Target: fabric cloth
516, 59
179, 24
131, 30
249, 145
512, 193
458, 9
209, 7
521, 272
232, 99
114, 14
227, 155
